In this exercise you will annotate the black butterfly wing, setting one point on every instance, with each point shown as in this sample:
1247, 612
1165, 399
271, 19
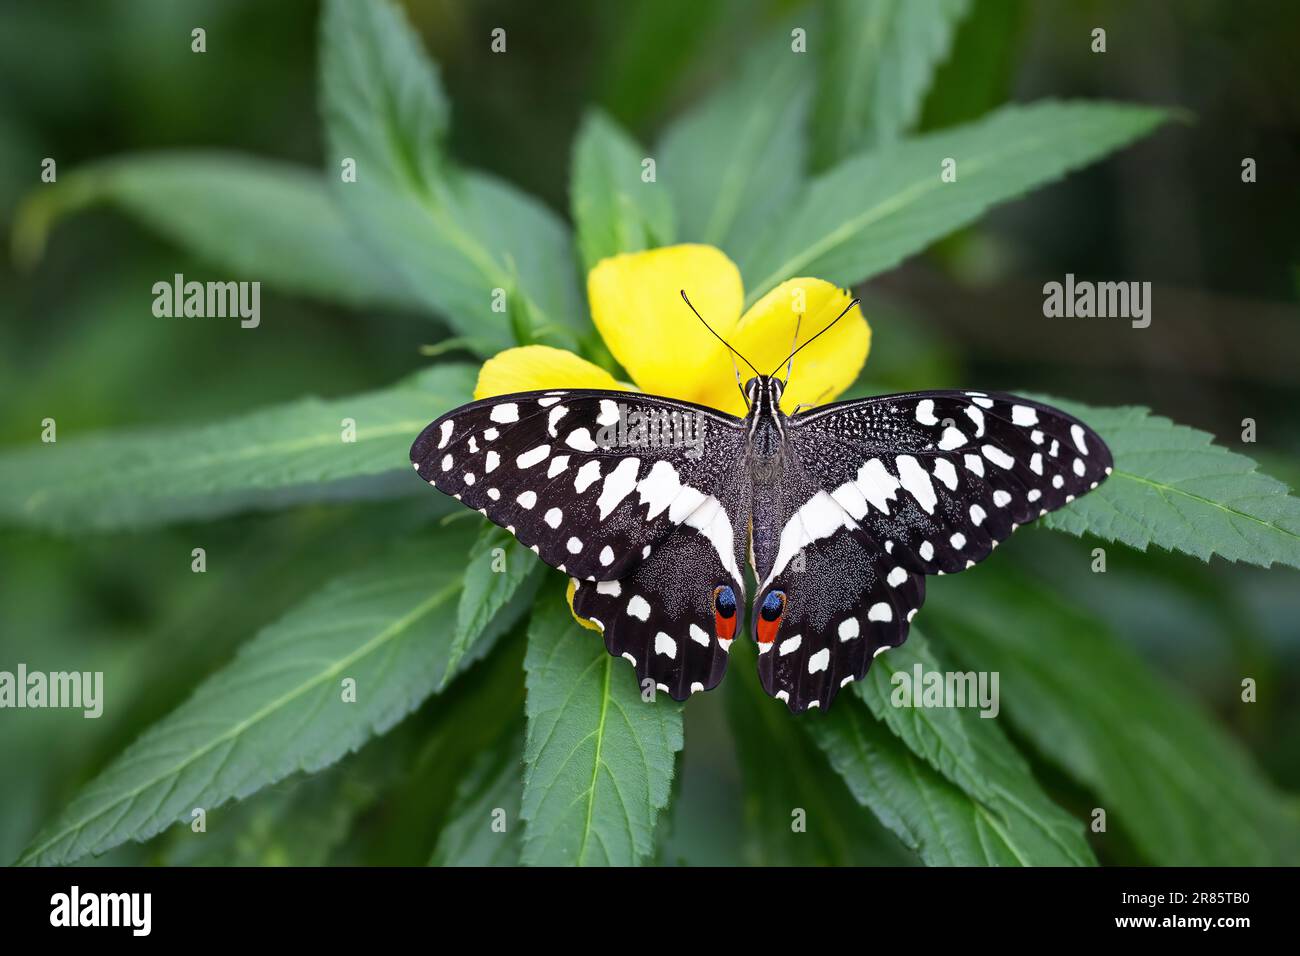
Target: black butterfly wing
556, 470
662, 617
642, 500
920, 483
845, 600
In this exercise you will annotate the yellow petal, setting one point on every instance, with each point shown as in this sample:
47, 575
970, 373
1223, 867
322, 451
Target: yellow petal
637, 305
537, 367
765, 336
573, 586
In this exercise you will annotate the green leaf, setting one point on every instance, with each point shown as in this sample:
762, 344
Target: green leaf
973, 753
260, 220
734, 161
878, 64
873, 211
435, 749
457, 238
495, 783
279, 706
271, 458
615, 211
501, 578
300, 822
1174, 488
979, 74
929, 813
599, 758
783, 772
1167, 776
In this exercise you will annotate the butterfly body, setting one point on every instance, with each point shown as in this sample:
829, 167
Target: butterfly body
841, 512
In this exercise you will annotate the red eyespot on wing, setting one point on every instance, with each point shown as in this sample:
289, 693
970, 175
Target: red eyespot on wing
769, 616
724, 612
726, 626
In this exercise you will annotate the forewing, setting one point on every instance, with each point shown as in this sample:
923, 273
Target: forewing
591, 480
940, 478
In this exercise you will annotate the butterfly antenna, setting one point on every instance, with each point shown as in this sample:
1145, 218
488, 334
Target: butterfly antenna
720, 339
791, 356
789, 363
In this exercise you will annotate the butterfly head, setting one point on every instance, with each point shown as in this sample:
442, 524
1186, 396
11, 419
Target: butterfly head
763, 393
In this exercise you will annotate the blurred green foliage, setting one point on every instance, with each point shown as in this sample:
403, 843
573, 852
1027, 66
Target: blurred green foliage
1122, 689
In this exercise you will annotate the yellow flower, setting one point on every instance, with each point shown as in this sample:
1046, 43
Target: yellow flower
638, 309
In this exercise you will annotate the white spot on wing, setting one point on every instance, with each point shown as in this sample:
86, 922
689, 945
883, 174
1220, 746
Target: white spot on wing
1023, 415
587, 475
877, 485
659, 487
951, 438
618, 485
819, 661
945, 472
445, 433
848, 629
638, 608
505, 413
917, 482
664, 644
558, 412
553, 517
996, 455
790, 645
580, 439
533, 456
880, 612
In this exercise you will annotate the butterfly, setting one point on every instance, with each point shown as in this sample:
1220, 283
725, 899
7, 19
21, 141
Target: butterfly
654, 506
